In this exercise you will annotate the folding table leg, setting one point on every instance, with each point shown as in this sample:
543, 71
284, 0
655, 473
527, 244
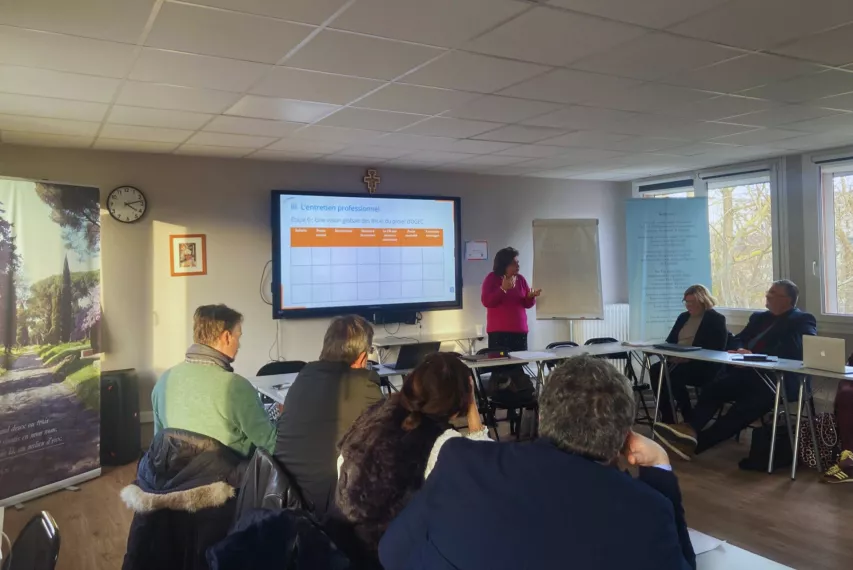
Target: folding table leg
797, 432
660, 387
775, 422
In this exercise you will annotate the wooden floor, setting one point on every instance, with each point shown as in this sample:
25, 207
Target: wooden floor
803, 524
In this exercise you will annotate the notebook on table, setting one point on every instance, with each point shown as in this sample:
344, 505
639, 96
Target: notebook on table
677, 347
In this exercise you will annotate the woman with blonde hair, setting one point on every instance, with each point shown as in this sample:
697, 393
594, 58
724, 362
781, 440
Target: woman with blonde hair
700, 325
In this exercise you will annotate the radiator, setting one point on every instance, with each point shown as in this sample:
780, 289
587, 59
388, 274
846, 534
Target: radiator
614, 325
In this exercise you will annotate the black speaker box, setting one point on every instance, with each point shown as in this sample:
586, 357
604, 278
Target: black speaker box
121, 441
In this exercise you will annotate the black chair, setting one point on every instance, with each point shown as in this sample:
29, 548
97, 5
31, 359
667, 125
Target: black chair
281, 367
628, 370
551, 364
514, 407
37, 547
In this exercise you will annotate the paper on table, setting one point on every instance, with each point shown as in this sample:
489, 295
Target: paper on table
702, 542
531, 354
638, 343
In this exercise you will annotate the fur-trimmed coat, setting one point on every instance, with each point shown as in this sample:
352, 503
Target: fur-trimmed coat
383, 467
183, 501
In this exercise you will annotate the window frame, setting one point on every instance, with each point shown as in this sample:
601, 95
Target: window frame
778, 211
820, 267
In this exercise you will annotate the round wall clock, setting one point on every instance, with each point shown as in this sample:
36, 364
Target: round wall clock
126, 204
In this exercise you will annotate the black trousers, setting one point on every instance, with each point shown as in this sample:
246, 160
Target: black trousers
751, 398
511, 341
681, 375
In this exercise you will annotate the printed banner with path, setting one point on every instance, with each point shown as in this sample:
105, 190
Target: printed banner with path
669, 249
50, 321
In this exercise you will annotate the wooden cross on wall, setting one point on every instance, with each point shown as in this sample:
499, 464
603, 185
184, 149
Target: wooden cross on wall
372, 180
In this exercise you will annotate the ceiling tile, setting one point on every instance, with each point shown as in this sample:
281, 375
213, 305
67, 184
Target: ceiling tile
415, 99
650, 97
822, 124
115, 20
591, 118
367, 151
307, 146
439, 157
568, 86
280, 109
190, 70
816, 141
676, 127
12, 104
501, 109
642, 144
492, 160
843, 102
721, 107
478, 147
335, 134
473, 72
701, 148
217, 151
314, 86
782, 115
47, 50
415, 142
29, 81
362, 56
134, 146
760, 24
760, 136
551, 37
521, 134
145, 117
806, 88
307, 11
654, 56
652, 13
371, 120
742, 73
362, 161
39, 139
229, 140
588, 139
48, 126
437, 22
149, 134
447, 127
256, 127
832, 48
196, 29
532, 151
137, 94
283, 155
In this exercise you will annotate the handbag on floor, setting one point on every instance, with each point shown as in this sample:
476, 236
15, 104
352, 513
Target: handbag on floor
826, 432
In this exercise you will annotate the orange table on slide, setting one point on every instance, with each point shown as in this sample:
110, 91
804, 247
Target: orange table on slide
365, 237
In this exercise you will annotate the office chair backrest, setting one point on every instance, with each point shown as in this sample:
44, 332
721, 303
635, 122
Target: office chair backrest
37, 547
281, 367
561, 344
600, 340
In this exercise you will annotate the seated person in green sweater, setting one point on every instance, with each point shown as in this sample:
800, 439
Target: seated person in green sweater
321, 405
205, 396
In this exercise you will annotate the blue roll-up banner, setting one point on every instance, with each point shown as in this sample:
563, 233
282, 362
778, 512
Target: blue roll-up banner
669, 249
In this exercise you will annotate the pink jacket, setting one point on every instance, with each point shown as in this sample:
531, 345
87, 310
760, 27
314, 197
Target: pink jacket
506, 311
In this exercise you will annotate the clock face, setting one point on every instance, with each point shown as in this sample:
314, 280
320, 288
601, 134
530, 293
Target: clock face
126, 204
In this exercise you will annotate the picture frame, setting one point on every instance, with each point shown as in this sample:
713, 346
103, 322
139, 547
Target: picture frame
188, 255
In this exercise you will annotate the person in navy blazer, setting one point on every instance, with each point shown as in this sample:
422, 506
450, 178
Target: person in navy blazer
701, 326
558, 502
778, 331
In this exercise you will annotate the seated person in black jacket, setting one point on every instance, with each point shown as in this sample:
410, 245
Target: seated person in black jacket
778, 331
558, 502
700, 325
321, 405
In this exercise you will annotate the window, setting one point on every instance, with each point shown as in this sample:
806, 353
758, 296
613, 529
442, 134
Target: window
837, 238
681, 194
740, 222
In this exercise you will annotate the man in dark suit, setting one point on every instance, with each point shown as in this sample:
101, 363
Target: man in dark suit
558, 502
778, 331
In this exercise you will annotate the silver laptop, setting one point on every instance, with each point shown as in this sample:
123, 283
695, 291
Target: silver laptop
823, 353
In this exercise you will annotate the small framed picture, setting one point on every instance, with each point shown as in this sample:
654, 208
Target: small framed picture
188, 255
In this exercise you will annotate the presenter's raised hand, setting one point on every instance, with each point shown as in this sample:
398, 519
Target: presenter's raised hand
508, 282
643, 452
533, 293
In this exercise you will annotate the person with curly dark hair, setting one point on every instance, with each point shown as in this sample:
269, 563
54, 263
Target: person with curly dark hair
507, 296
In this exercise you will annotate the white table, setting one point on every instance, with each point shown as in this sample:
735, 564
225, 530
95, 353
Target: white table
469, 338
275, 386
730, 557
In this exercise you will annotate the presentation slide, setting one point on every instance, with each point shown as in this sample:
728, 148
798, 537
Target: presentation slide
362, 251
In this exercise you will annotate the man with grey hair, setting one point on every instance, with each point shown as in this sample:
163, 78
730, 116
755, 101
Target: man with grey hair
557, 502
321, 405
778, 331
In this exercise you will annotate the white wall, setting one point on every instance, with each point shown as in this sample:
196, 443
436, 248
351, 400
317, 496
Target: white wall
148, 313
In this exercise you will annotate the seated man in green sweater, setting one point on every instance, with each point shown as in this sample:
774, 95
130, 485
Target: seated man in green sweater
205, 396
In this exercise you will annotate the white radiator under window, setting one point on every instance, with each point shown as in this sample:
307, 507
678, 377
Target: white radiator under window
614, 325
